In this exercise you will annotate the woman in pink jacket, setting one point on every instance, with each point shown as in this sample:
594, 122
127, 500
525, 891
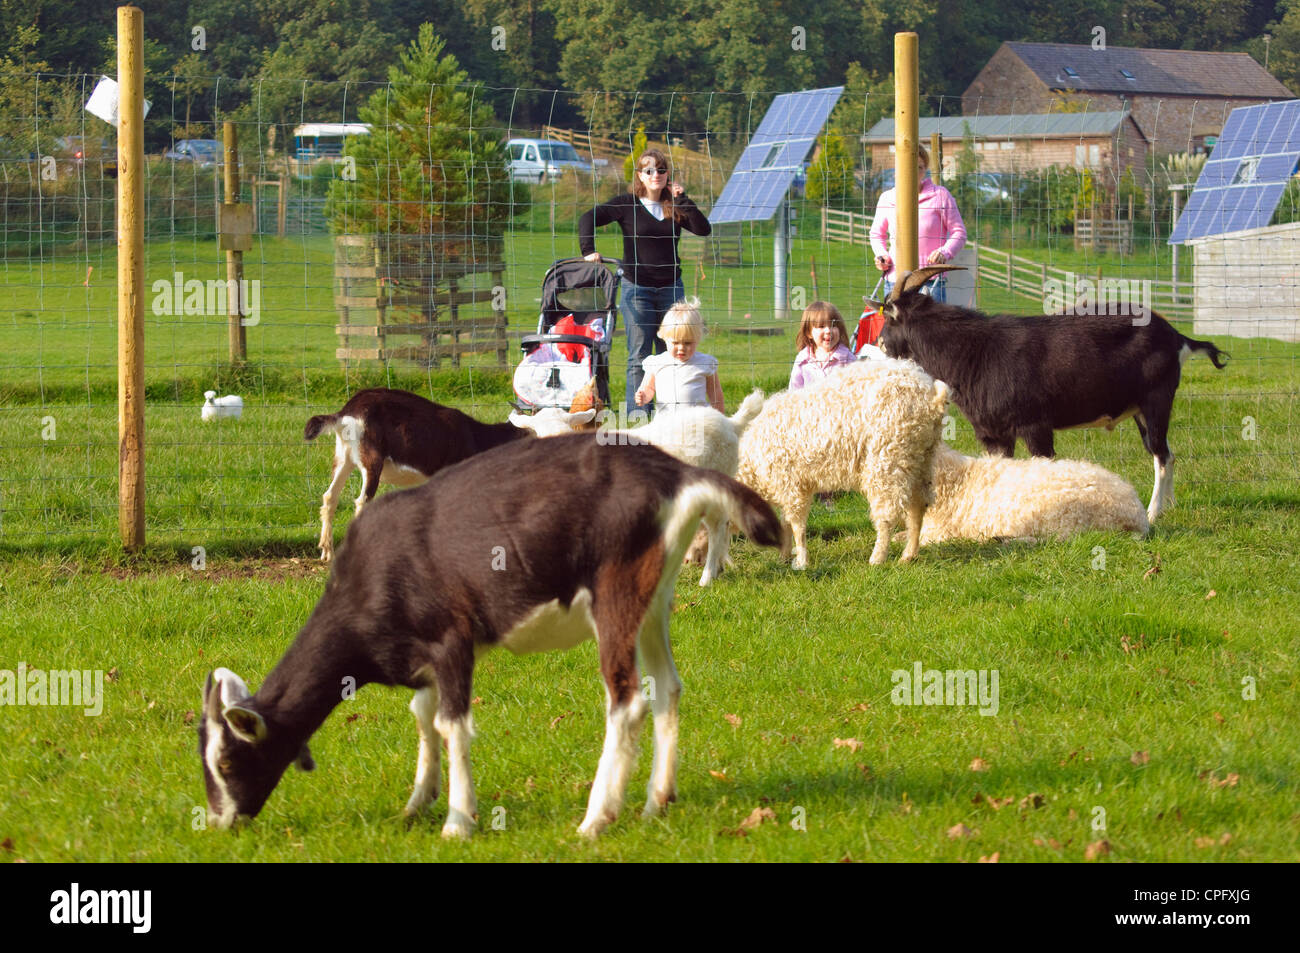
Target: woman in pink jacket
940, 231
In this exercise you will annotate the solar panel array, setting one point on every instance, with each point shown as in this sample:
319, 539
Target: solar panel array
1246, 174
774, 156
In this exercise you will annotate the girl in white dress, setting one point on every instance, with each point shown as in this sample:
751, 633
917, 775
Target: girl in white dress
682, 376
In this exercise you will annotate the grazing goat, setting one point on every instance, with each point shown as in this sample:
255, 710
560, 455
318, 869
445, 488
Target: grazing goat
985, 498
699, 436
394, 436
1022, 378
871, 427
535, 546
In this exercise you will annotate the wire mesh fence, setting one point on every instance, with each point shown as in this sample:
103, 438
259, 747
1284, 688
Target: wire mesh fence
483, 206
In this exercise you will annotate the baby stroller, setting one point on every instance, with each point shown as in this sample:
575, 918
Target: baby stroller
870, 324
574, 334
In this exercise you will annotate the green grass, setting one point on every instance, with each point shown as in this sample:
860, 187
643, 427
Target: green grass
1120, 688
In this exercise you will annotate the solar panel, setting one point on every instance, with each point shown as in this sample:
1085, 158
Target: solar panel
774, 155
1246, 174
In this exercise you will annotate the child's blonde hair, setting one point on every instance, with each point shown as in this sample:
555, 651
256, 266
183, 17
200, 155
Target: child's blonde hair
683, 322
820, 314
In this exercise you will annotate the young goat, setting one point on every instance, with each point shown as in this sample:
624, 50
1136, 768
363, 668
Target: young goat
870, 427
1024, 377
394, 436
984, 498
699, 436
535, 546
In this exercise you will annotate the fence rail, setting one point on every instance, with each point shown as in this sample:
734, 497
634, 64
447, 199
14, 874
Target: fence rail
1019, 275
692, 169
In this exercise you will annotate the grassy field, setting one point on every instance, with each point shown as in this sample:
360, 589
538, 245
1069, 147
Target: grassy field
1148, 688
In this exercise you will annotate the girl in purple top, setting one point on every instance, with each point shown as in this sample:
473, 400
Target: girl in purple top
941, 233
822, 344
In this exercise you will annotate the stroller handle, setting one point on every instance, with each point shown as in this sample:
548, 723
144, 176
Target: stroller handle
604, 260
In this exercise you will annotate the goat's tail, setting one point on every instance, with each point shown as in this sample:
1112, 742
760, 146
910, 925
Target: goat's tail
749, 409
942, 394
746, 509
1218, 357
318, 424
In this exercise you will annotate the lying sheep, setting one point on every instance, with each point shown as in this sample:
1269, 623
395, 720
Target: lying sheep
985, 498
871, 427
699, 436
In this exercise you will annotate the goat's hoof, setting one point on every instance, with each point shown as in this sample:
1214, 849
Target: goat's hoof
454, 831
657, 803
417, 804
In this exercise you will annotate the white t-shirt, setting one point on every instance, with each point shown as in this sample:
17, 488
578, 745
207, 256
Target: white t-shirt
682, 384
654, 208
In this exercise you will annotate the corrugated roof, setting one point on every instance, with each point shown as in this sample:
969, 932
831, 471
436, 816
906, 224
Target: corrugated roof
1163, 72
1022, 126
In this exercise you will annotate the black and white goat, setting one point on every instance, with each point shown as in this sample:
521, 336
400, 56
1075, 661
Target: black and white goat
1023, 377
534, 546
394, 436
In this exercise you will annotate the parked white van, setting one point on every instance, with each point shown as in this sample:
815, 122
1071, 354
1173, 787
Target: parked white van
536, 160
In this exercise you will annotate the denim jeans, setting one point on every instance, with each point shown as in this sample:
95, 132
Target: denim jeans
643, 308
936, 288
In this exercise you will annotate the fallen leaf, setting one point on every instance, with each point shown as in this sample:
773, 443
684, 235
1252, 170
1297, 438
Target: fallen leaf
1210, 595
478, 700
189, 717
1032, 801
865, 769
1051, 842
853, 744
960, 830
1219, 718
111, 674
906, 806
7, 844
1212, 777
720, 775
1140, 757
979, 764
996, 803
352, 717
733, 719
993, 859
756, 817
1096, 849
559, 718
861, 706
1204, 842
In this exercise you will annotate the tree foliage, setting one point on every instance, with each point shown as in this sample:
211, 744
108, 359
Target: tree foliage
830, 177
433, 165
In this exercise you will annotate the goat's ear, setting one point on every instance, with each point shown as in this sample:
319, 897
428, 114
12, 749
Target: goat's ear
233, 689
581, 418
246, 724
304, 761
521, 421
873, 303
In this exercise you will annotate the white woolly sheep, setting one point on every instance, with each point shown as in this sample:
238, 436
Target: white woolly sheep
984, 498
699, 436
871, 427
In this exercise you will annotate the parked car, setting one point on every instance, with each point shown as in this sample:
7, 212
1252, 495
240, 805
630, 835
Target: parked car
204, 153
536, 160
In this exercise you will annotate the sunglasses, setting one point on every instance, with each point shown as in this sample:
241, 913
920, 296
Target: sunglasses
654, 170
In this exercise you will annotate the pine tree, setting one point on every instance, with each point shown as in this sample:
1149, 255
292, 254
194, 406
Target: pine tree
433, 163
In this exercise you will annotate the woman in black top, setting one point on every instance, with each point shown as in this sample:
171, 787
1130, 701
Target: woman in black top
652, 215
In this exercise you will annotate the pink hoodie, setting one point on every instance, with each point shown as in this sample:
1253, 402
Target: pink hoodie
939, 224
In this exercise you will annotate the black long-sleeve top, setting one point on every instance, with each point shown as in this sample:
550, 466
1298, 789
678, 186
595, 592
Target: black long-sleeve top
649, 245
